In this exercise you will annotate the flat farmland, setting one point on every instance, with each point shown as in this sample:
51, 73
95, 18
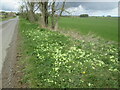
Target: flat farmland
105, 27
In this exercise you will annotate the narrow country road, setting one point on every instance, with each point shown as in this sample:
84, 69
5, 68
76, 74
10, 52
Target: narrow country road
8, 35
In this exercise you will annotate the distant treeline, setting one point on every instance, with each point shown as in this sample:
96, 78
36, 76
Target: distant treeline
84, 15
4, 14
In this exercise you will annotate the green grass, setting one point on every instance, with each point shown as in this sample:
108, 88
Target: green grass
53, 60
4, 19
105, 27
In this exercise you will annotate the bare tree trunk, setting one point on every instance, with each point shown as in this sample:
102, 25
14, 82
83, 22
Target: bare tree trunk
53, 16
57, 18
44, 11
62, 9
31, 16
31, 11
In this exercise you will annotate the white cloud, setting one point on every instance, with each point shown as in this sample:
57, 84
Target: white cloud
9, 5
80, 10
89, 0
76, 10
13, 5
79, 0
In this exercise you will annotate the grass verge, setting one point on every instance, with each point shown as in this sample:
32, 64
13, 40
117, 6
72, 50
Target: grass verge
53, 60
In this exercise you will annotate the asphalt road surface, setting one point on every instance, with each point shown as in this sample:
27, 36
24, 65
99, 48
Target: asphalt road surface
7, 35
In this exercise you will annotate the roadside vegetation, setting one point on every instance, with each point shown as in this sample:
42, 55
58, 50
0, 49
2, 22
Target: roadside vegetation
7, 15
57, 51
53, 60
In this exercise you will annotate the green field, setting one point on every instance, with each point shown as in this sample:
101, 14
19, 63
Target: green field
105, 27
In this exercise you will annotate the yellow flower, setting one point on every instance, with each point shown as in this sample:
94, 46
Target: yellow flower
83, 72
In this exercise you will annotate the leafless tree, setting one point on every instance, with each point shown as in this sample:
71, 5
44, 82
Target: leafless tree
44, 12
53, 15
28, 9
61, 10
47, 9
31, 11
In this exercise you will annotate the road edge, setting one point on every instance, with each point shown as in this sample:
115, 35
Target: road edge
8, 71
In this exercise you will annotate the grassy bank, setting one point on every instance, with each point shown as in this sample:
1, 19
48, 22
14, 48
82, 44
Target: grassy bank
53, 60
105, 27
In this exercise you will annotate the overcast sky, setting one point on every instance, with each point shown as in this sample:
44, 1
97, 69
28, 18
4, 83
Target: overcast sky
94, 8
75, 8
